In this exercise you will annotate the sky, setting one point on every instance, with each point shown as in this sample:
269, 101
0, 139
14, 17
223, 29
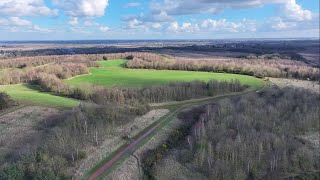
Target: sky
157, 19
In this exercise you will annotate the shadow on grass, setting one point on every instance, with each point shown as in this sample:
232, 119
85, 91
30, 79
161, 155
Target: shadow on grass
33, 87
123, 64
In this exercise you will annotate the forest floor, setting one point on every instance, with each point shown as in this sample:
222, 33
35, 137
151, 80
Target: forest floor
18, 128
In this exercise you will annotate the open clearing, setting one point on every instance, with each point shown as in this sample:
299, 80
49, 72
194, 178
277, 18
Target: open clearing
112, 73
27, 94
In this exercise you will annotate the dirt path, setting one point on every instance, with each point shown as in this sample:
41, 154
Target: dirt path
115, 140
122, 152
107, 165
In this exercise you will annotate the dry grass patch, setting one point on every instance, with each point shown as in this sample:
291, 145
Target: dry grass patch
313, 86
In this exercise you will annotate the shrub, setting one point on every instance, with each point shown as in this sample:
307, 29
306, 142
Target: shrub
12, 172
45, 174
79, 93
5, 101
82, 154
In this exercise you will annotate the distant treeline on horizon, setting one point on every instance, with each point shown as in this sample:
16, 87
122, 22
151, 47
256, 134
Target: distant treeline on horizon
147, 41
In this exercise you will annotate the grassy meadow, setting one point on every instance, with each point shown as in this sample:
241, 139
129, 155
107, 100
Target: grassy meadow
112, 73
28, 94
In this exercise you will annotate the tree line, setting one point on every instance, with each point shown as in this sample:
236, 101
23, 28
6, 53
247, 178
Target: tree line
253, 67
30, 75
257, 136
88, 59
174, 91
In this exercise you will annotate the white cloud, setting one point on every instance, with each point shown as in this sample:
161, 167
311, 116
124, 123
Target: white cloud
168, 8
227, 26
30, 29
17, 24
80, 30
156, 25
162, 16
25, 8
135, 23
36, 28
83, 8
90, 23
132, 4
188, 27
279, 24
104, 28
293, 11
185, 27
15, 21
173, 27
73, 21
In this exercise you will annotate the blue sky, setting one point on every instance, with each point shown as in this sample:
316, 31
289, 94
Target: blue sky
157, 19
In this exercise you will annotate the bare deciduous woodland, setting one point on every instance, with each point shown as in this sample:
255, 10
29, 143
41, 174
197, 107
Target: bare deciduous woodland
254, 67
251, 137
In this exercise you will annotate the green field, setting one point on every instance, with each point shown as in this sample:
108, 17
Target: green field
112, 73
27, 94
